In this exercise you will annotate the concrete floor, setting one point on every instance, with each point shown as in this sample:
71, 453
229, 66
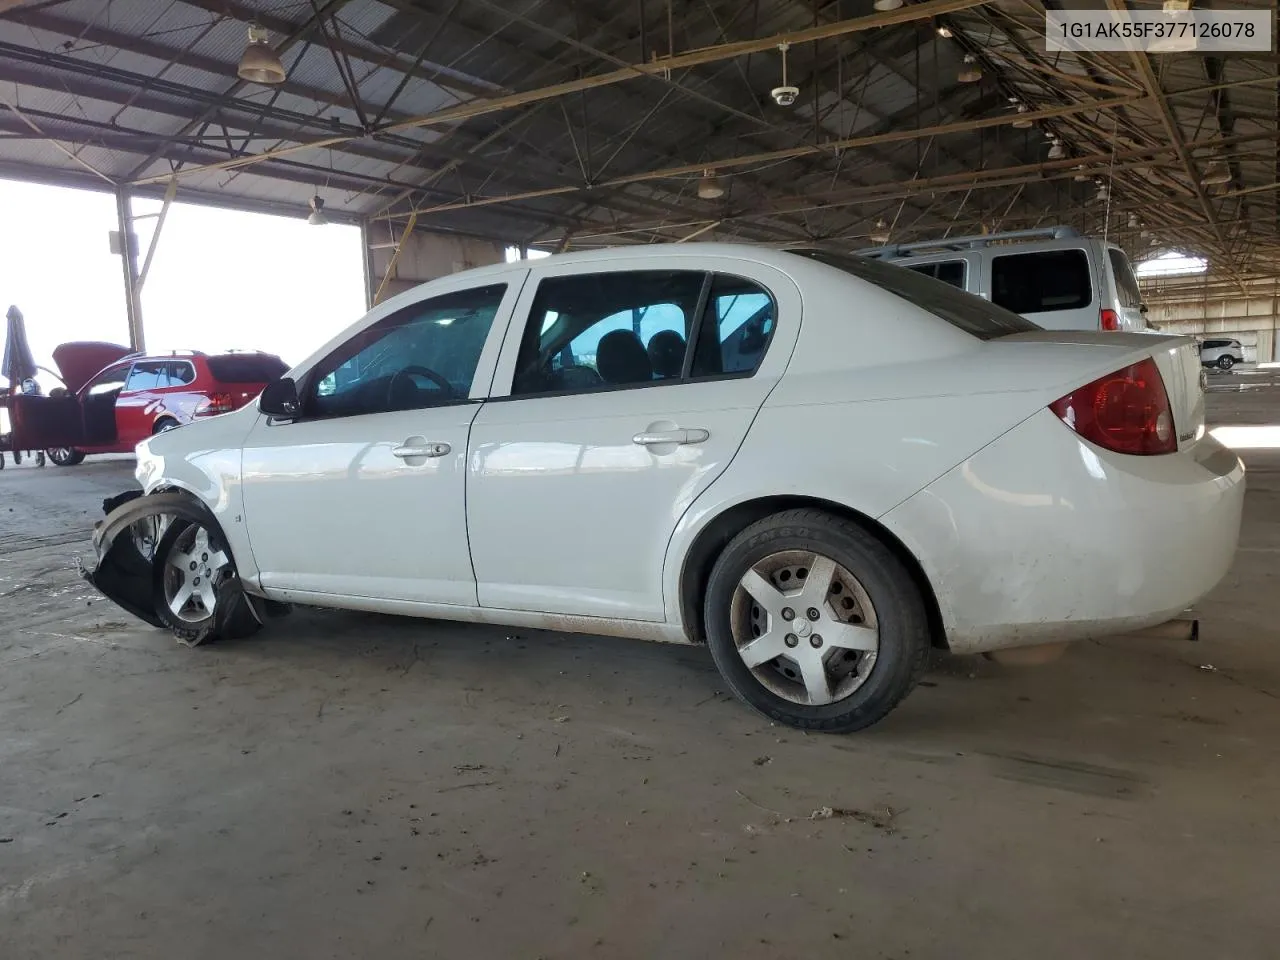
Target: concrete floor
348, 785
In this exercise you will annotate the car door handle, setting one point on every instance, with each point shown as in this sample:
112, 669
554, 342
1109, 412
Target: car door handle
659, 437
408, 451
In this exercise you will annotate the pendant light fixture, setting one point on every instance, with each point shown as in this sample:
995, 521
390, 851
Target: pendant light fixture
317, 217
259, 63
710, 186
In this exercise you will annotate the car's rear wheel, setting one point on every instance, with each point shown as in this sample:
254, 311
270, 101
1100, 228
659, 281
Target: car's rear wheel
65, 456
194, 578
1226, 361
164, 424
815, 622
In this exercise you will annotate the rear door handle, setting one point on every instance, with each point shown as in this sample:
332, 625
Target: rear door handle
407, 451
679, 437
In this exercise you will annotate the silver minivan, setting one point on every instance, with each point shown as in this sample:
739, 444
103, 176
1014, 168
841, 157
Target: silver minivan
1056, 278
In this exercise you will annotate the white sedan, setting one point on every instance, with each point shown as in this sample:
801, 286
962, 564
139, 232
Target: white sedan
702, 443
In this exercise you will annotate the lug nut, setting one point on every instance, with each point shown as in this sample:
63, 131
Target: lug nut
193, 565
791, 640
815, 641
195, 582
204, 557
813, 613
788, 613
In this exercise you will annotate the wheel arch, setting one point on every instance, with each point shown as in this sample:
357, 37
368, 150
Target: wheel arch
715, 535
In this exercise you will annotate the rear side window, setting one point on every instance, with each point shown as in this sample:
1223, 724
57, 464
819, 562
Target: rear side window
148, 375
1126, 283
181, 373
948, 271
246, 368
971, 314
739, 320
600, 330
641, 328
1041, 282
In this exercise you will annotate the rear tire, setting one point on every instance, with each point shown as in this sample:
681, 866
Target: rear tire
1226, 362
163, 425
65, 456
817, 573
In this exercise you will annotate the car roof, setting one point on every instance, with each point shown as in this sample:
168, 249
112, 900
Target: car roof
776, 256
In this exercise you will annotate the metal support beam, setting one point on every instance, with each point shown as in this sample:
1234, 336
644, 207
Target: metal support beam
169, 194
1142, 62
129, 263
713, 54
395, 258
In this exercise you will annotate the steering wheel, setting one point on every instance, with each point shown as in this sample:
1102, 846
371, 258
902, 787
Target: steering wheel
401, 378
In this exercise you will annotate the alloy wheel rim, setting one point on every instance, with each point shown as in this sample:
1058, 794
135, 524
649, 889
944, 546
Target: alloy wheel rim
193, 571
805, 627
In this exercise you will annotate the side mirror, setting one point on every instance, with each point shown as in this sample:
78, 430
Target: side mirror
280, 399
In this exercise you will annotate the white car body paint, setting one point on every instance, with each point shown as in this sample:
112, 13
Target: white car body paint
1026, 533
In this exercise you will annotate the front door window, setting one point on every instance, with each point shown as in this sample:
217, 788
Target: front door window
422, 356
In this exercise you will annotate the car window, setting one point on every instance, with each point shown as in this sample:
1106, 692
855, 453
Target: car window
948, 271
148, 375
739, 321
1041, 282
246, 367
422, 356
969, 313
181, 373
1127, 291
600, 330
112, 378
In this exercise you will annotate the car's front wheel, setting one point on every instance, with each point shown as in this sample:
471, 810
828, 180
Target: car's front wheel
1226, 361
65, 456
814, 622
193, 578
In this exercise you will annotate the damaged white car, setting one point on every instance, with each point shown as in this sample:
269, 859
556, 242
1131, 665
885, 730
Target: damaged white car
704, 443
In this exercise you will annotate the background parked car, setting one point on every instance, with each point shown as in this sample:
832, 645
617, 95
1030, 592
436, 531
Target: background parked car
1223, 354
1053, 276
112, 399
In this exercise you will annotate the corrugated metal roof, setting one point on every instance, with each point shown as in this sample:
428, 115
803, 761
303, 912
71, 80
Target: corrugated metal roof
125, 78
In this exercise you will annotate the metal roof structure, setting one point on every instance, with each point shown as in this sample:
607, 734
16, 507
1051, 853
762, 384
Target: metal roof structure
566, 123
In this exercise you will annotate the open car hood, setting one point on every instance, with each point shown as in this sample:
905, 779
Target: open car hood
79, 360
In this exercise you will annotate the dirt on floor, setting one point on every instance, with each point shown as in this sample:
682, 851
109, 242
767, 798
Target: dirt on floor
346, 785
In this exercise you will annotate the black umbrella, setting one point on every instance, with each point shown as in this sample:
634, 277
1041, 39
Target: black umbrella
18, 363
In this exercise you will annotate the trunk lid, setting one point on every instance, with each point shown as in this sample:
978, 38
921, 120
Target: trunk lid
1178, 359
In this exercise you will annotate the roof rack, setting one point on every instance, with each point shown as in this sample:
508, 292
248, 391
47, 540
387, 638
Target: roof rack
973, 242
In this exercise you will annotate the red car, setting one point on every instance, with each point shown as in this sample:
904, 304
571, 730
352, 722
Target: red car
113, 399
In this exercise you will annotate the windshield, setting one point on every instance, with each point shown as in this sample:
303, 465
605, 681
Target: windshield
971, 314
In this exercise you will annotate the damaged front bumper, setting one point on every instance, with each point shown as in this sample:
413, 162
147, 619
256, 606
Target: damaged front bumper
128, 567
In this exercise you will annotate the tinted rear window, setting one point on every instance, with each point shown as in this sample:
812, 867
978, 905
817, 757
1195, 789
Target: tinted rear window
1041, 282
971, 314
247, 368
948, 271
1126, 283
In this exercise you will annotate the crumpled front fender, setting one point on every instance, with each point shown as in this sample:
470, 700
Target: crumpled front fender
129, 579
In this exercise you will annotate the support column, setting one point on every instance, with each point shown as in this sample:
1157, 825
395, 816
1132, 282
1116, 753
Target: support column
370, 281
129, 260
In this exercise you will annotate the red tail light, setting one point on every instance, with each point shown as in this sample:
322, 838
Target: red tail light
215, 404
1110, 319
1126, 411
